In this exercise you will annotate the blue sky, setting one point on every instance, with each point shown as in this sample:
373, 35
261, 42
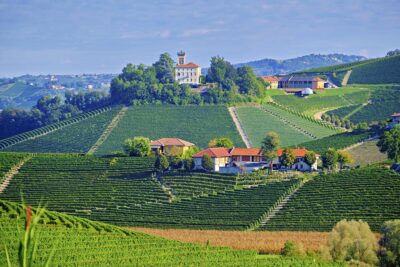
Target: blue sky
82, 36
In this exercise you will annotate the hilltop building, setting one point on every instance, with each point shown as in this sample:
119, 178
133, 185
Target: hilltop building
169, 146
293, 81
272, 80
187, 73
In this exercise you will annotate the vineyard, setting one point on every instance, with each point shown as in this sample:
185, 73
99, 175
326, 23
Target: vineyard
337, 141
78, 242
76, 134
322, 100
122, 191
85, 184
196, 124
256, 123
7, 161
382, 103
369, 194
188, 185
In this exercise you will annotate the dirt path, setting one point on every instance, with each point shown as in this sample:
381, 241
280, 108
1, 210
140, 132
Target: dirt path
108, 131
346, 77
11, 173
235, 118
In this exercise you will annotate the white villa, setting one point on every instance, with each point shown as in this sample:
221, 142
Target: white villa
187, 73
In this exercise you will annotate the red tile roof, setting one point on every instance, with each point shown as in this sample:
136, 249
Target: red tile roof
270, 78
318, 79
396, 114
298, 152
170, 142
245, 152
217, 152
188, 65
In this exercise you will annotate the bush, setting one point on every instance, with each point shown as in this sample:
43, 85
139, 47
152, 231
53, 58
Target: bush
290, 249
207, 163
389, 254
353, 240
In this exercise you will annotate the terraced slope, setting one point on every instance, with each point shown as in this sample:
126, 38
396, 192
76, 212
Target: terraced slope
368, 194
86, 184
187, 185
257, 123
79, 242
75, 135
197, 124
7, 161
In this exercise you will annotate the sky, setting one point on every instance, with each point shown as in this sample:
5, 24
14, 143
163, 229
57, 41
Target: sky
102, 36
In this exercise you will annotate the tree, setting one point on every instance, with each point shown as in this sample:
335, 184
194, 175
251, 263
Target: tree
330, 159
269, 145
344, 157
161, 164
248, 82
221, 142
310, 158
207, 163
389, 143
176, 162
389, 253
290, 249
165, 69
353, 240
138, 146
288, 157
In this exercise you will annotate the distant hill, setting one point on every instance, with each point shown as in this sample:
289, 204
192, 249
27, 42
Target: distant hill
21, 95
272, 66
382, 70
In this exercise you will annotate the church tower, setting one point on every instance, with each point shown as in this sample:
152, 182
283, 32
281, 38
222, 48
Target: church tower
181, 58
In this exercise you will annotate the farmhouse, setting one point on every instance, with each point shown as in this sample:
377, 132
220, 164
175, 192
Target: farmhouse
219, 155
169, 146
395, 120
187, 73
272, 80
299, 163
293, 82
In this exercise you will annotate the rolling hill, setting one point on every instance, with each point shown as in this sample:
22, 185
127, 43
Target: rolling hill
275, 67
384, 70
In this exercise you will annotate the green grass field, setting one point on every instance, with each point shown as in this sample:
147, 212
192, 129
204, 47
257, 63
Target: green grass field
367, 153
368, 194
77, 137
324, 100
196, 124
256, 123
79, 242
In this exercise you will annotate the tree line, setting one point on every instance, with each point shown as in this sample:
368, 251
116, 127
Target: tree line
49, 110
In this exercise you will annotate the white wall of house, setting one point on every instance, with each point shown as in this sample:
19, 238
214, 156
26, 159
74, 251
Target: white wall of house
188, 75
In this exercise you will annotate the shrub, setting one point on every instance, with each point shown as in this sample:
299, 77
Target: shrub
389, 254
207, 163
353, 240
138, 146
290, 249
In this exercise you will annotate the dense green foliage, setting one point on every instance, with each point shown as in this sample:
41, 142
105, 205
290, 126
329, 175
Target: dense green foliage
49, 110
256, 123
337, 141
389, 143
138, 146
369, 194
7, 161
196, 124
76, 135
389, 253
78, 242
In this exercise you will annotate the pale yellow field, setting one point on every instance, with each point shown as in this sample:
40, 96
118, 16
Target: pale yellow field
264, 242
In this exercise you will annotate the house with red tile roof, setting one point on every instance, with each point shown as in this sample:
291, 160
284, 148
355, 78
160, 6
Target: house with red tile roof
219, 155
170, 146
272, 80
299, 164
